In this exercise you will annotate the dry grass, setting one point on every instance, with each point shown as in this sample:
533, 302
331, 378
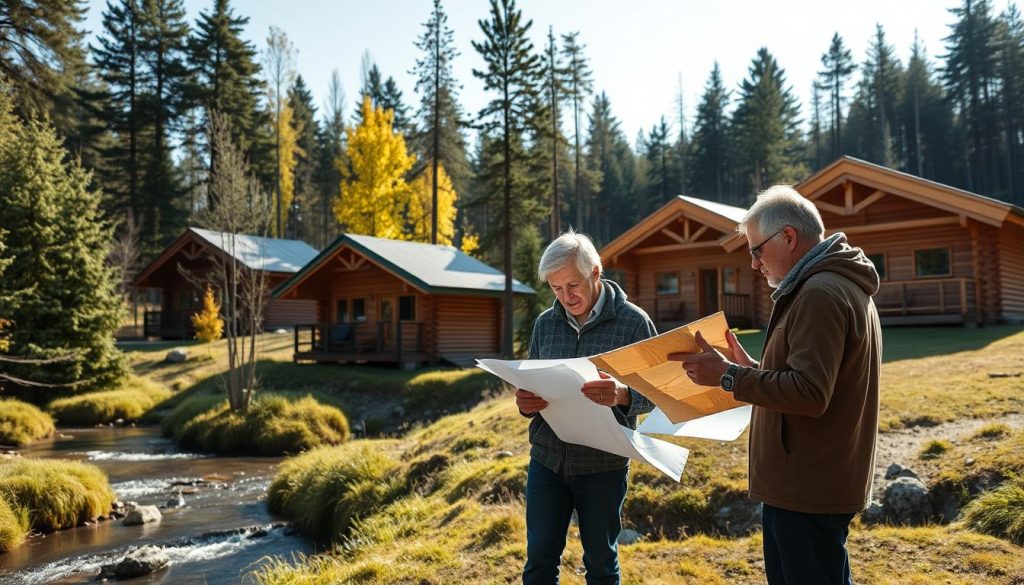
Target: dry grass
21, 423
54, 494
130, 403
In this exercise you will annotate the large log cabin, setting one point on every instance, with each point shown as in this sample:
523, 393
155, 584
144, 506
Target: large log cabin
944, 255
381, 300
194, 251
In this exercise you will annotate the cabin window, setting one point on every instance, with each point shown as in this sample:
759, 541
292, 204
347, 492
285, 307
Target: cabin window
932, 262
359, 310
667, 283
616, 275
730, 281
341, 308
878, 259
407, 308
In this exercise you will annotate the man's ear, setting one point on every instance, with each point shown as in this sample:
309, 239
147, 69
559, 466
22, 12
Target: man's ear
791, 236
595, 273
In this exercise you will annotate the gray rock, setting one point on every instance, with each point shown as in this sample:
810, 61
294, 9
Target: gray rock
503, 455
896, 470
138, 562
177, 501
738, 518
139, 515
969, 461
906, 502
176, 355
629, 536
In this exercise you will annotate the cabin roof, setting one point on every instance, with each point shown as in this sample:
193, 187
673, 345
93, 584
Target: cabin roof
259, 253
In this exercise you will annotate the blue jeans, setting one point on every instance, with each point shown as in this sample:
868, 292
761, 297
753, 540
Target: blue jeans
802, 548
550, 500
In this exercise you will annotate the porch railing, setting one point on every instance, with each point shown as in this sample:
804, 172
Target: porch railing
939, 296
360, 337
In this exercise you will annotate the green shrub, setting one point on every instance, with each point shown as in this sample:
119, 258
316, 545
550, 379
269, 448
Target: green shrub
13, 527
999, 512
934, 448
21, 423
55, 494
130, 402
274, 424
325, 490
189, 409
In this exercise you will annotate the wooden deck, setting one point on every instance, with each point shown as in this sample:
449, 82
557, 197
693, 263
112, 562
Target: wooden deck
359, 357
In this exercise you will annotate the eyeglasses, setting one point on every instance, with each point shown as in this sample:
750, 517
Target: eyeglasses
755, 252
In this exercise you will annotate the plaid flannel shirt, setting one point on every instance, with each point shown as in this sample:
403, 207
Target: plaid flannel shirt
619, 323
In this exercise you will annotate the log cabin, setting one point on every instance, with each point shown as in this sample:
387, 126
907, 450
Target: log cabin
391, 301
944, 255
195, 250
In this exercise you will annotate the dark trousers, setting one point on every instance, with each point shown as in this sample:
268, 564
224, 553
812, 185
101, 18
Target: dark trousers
805, 549
550, 500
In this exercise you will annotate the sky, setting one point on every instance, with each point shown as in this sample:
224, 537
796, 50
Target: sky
639, 50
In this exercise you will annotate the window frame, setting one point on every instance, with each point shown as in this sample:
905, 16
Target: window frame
657, 291
949, 259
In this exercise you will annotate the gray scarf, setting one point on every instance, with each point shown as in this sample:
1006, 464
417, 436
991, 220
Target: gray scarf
812, 257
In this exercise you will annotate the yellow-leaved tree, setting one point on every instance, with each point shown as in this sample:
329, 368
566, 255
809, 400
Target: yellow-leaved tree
289, 151
207, 322
374, 193
420, 203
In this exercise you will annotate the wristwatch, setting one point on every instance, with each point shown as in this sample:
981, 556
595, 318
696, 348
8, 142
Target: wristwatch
728, 379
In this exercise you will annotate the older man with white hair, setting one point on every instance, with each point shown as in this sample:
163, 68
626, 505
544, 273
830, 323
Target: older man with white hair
590, 315
815, 391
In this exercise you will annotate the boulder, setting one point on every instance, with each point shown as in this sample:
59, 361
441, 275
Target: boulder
875, 514
138, 562
138, 515
896, 470
176, 355
906, 502
738, 518
629, 536
503, 455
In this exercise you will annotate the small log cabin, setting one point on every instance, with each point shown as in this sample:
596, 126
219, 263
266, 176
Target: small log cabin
193, 251
944, 255
408, 303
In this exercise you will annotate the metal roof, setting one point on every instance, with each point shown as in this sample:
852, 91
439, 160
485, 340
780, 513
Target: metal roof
432, 268
734, 213
258, 253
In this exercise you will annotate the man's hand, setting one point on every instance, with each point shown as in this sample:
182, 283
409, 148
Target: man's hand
529, 403
739, 355
607, 391
705, 368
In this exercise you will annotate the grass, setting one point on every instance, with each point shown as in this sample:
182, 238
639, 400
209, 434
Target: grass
54, 494
13, 526
994, 460
274, 424
130, 403
934, 448
21, 423
999, 512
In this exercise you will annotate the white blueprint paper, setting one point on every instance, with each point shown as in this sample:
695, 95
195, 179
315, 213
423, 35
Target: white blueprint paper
721, 426
577, 419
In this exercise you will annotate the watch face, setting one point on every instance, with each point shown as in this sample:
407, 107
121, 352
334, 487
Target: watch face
727, 382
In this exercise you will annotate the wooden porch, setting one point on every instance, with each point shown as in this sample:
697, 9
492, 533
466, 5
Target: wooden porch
926, 302
167, 325
668, 312
399, 342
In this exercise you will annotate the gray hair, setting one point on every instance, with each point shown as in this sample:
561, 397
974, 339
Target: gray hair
779, 206
569, 247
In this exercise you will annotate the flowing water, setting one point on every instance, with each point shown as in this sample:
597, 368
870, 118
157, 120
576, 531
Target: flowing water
222, 533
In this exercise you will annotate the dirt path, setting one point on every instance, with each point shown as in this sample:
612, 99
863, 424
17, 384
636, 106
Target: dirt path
903, 446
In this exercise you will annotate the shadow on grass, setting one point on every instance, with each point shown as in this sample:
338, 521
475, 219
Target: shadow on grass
905, 343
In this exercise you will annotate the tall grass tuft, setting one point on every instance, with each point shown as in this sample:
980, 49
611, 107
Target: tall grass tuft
130, 402
325, 490
999, 512
21, 423
56, 494
274, 424
13, 526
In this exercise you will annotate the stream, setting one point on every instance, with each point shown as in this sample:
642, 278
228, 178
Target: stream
223, 532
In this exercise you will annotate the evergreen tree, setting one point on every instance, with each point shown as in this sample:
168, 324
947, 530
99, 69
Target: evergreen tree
513, 73
42, 57
765, 126
554, 74
660, 170
1011, 75
330, 160
304, 218
227, 81
881, 89
710, 145
927, 118
578, 85
838, 66
57, 289
608, 152
968, 76
440, 139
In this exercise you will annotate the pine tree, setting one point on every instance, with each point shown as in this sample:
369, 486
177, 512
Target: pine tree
330, 161
882, 85
207, 322
374, 194
609, 153
42, 57
579, 84
57, 290
512, 72
928, 123
440, 139
1010, 70
765, 126
305, 218
227, 81
554, 88
838, 66
660, 170
710, 144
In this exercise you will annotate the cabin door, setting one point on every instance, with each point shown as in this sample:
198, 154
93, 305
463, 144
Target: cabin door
386, 323
708, 291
